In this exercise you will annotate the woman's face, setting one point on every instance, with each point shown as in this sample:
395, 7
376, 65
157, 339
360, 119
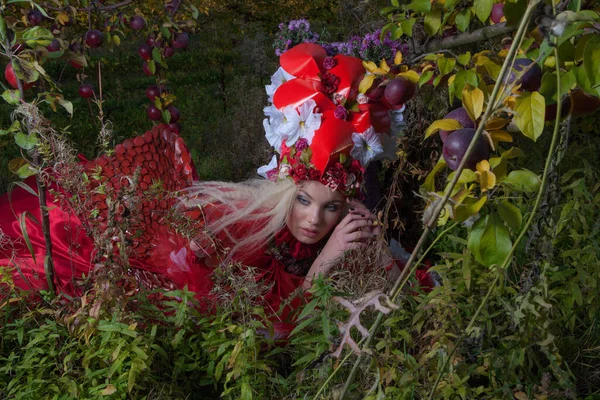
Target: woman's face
316, 211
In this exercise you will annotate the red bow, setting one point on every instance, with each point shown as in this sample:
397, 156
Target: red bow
334, 137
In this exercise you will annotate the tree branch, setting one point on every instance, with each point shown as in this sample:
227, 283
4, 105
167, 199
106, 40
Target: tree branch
485, 33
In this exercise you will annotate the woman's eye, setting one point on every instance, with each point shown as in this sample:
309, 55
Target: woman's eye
302, 200
332, 207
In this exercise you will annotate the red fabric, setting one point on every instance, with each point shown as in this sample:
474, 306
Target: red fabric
160, 156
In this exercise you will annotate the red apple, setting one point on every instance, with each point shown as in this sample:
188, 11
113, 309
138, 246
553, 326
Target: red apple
145, 51
175, 127
93, 38
175, 114
86, 91
460, 115
34, 17
137, 23
456, 145
532, 79
75, 64
53, 46
399, 91
11, 78
152, 92
169, 52
147, 69
150, 39
181, 41
153, 113
497, 13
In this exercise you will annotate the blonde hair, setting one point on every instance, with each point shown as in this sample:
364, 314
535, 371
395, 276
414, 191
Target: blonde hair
248, 214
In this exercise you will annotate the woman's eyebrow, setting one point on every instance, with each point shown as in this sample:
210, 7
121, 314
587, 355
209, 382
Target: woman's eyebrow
305, 194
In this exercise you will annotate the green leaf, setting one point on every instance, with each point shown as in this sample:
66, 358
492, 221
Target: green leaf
446, 65
514, 11
37, 36
407, 26
591, 60
523, 181
583, 80
165, 32
423, 6
12, 97
425, 77
462, 78
510, 214
166, 116
25, 141
67, 105
489, 241
152, 67
469, 207
433, 21
530, 109
483, 8
464, 58
26, 171
463, 19
429, 185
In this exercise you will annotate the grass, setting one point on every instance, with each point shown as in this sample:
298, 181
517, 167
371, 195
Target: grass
219, 90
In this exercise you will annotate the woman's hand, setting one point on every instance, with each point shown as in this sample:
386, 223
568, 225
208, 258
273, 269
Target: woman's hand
352, 232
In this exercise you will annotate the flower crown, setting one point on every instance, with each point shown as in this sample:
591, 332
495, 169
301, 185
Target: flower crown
322, 128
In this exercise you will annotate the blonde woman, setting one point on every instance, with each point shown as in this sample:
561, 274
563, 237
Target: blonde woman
290, 227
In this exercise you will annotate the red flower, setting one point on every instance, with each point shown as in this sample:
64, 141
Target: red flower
329, 83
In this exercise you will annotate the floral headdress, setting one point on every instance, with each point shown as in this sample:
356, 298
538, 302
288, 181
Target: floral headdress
322, 128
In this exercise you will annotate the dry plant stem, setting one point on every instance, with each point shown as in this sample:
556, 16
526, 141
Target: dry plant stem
48, 262
436, 212
525, 229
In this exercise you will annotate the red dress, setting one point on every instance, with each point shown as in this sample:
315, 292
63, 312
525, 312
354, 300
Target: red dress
159, 256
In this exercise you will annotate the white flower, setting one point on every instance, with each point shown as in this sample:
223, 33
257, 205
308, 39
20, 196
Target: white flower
367, 146
389, 144
397, 123
278, 78
271, 126
301, 123
262, 171
284, 171
362, 99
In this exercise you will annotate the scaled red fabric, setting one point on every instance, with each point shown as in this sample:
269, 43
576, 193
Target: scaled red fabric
160, 158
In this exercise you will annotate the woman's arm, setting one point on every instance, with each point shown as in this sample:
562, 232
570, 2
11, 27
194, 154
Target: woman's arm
352, 232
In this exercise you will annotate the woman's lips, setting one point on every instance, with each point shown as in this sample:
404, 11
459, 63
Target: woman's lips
309, 233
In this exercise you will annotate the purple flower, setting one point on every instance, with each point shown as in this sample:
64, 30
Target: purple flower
272, 174
340, 112
301, 144
277, 52
329, 62
281, 26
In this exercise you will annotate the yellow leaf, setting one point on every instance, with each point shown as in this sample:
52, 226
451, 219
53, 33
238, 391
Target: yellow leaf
501, 136
521, 396
483, 165
469, 207
451, 79
117, 40
442, 124
398, 58
366, 83
427, 68
487, 179
509, 102
369, 65
410, 75
472, 100
384, 66
529, 114
108, 390
495, 123
62, 18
